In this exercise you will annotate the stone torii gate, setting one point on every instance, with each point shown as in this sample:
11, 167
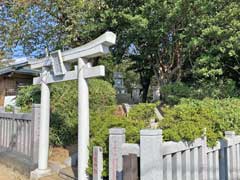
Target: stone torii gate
55, 68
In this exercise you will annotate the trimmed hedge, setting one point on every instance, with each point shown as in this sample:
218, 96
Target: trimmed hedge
187, 120
104, 119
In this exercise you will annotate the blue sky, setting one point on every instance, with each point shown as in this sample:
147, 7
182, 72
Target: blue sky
18, 52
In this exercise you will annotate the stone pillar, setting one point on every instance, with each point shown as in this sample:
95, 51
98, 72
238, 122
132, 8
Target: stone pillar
231, 158
44, 124
151, 157
83, 122
116, 139
203, 158
35, 132
43, 169
97, 163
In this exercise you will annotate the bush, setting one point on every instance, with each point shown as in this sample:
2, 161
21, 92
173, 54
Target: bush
28, 95
142, 111
101, 93
225, 88
64, 103
187, 120
174, 92
9, 108
104, 119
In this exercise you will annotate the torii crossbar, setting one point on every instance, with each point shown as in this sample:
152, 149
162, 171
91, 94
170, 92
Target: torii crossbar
55, 69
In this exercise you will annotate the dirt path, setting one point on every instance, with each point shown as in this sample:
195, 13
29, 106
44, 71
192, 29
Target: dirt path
8, 174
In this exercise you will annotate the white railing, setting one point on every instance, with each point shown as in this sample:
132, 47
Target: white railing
176, 160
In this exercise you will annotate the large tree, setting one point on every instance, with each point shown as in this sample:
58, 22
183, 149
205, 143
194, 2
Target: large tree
174, 40
54, 24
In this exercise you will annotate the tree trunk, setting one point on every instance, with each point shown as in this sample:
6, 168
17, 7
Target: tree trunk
145, 82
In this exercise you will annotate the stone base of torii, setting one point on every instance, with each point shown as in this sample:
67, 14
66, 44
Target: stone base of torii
54, 70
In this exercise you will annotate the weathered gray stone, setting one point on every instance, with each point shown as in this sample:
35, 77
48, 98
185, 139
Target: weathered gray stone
156, 93
97, 163
35, 132
151, 166
128, 148
37, 174
229, 134
116, 139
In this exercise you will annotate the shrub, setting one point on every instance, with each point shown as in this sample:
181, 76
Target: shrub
215, 89
172, 93
64, 103
9, 108
142, 111
104, 119
101, 93
28, 95
188, 119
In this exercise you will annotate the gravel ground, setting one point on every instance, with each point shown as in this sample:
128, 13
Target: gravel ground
8, 174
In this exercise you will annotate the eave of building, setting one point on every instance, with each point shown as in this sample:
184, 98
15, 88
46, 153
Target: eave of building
18, 68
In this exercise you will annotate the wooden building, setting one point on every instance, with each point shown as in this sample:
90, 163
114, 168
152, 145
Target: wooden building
14, 76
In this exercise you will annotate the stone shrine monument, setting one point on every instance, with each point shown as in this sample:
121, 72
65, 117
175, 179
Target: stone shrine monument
55, 69
156, 93
119, 83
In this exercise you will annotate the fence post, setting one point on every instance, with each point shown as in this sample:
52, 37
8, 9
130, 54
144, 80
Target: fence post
97, 163
116, 139
203, 158
231, 155
151, 155
130, 167
35, 132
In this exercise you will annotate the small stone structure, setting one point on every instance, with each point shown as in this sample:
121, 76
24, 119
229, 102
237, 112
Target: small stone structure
156, 93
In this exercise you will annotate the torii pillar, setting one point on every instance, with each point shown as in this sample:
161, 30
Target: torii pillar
95, 48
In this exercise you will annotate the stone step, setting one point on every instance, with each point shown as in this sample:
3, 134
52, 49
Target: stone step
69, 173
52, 177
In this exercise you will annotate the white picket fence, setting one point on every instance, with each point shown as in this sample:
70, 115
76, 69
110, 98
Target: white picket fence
176, 160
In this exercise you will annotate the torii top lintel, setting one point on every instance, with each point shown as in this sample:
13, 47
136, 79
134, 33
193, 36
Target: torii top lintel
95, 48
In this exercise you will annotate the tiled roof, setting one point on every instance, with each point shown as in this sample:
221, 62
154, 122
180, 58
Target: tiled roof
20, 68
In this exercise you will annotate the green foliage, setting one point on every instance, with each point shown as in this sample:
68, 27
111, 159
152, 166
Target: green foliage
188, 119
101, 93
104, 119
182, 39
27, 96
217, 44
142, 111
174, 92
64, 102
9, 108
223, 88
131, 78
